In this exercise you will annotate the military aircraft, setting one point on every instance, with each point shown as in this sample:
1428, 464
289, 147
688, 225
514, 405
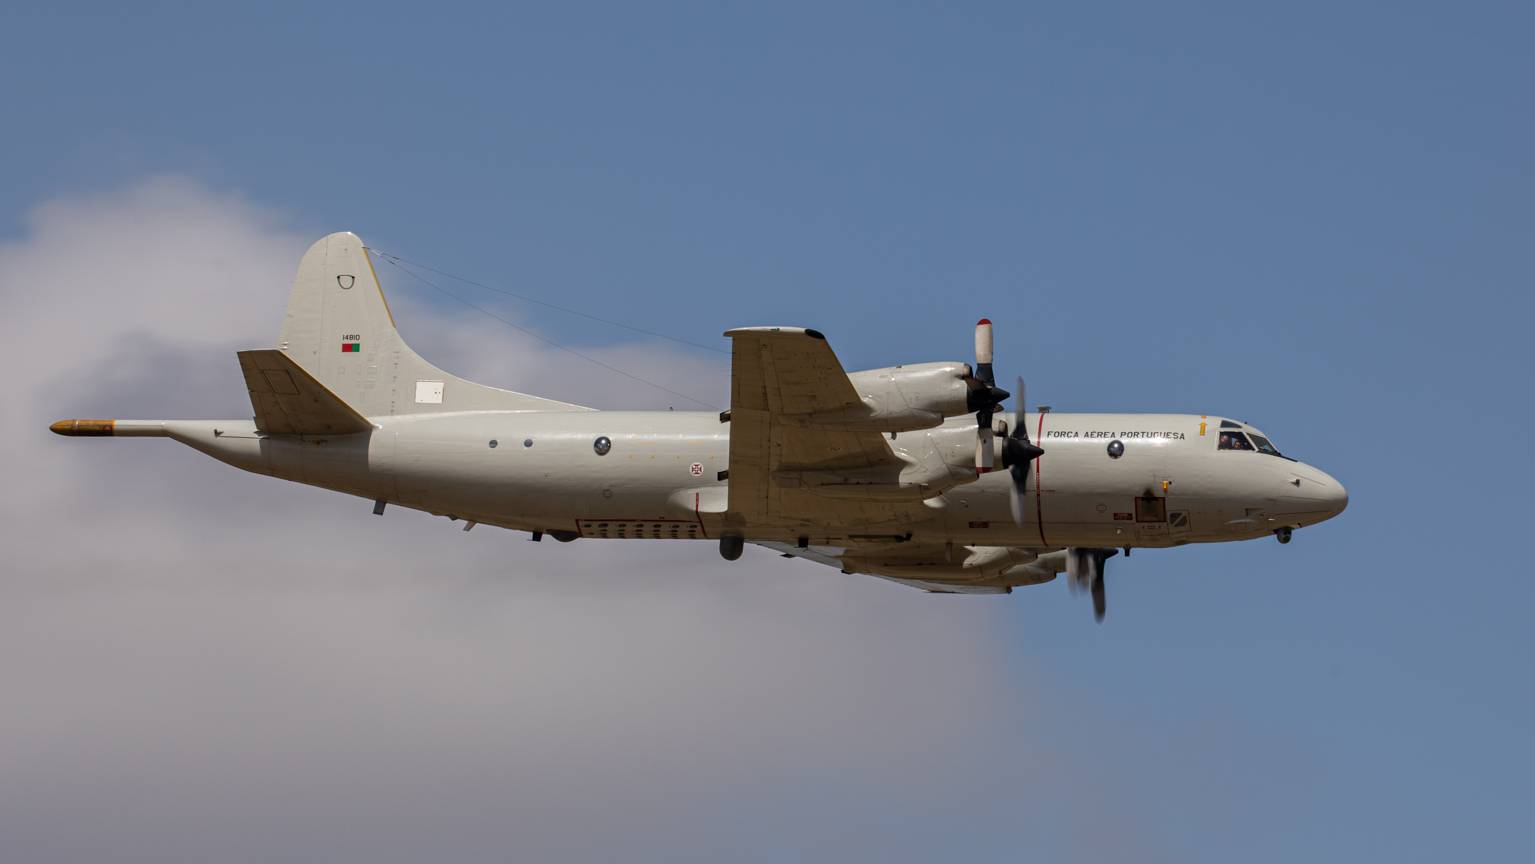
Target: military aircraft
888, 472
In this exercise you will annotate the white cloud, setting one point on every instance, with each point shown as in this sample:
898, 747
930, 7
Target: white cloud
211, 665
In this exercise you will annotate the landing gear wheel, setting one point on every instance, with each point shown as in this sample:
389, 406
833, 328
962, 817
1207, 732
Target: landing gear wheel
731, 546
1283, 534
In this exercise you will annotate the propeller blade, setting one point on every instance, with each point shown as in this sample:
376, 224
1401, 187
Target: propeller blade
1084, 569
1017, 454
983, 346
1076, 570
984, 397
1023, 405
985, 453
1015, 499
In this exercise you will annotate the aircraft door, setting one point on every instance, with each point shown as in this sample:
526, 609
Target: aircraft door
1153, 522
1150, 516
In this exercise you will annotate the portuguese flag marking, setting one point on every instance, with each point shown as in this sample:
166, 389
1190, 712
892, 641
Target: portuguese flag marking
351, 347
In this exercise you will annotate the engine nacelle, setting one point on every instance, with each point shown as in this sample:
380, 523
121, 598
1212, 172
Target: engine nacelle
902, 398
991, 565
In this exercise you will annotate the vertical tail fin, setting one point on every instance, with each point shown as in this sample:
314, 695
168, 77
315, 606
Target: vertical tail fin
339, 328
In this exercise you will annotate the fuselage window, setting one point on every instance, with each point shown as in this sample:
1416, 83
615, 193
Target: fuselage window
1235, 441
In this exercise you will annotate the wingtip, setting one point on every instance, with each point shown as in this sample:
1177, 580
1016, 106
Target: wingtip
774, 331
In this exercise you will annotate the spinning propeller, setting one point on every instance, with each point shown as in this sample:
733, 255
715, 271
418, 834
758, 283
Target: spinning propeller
985, 397
1084, 567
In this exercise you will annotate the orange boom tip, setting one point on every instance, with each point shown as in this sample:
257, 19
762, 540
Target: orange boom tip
83, 427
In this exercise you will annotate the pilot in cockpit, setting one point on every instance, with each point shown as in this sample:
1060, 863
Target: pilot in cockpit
1234, 441
1234, 437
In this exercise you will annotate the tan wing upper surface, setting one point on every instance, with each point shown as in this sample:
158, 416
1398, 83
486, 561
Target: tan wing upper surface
778, 376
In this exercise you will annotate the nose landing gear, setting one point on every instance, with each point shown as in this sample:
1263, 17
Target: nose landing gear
1283, 534
731, 546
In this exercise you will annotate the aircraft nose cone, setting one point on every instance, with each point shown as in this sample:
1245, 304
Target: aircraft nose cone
1333, 495
1337, 496
1317, 495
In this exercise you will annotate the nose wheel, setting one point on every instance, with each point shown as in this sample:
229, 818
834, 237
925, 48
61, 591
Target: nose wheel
1283, 534
731, 546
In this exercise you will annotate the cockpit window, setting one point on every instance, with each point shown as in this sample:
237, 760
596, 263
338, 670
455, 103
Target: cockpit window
1235, 441
1264, 446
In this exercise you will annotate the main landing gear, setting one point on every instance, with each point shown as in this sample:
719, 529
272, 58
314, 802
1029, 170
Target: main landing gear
731, 546
1283, 534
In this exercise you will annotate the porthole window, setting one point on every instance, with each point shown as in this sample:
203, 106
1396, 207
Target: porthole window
602, 445
527, 442
493, 443
1116, 449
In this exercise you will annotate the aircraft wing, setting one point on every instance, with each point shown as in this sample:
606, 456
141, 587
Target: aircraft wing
779, 376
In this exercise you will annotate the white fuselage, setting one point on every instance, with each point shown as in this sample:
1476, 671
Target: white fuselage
661, 477
855, 470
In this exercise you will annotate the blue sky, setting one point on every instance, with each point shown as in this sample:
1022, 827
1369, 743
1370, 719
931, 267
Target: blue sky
1313, 217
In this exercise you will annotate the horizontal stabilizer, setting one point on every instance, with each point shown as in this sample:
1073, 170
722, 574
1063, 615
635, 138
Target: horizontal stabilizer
289, 401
